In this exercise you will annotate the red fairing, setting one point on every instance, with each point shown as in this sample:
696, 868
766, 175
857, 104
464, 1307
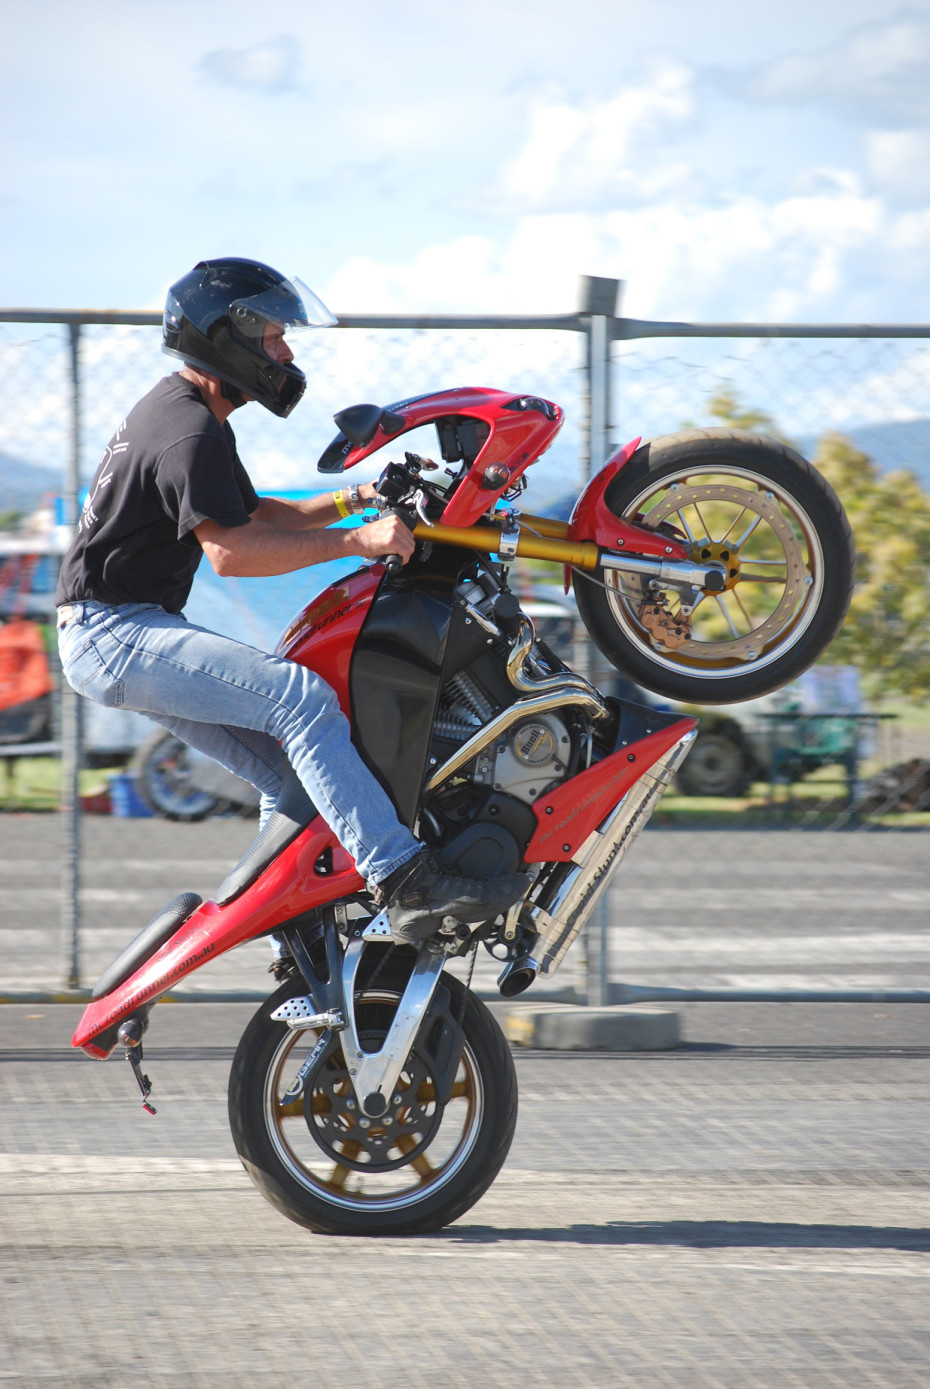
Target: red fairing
516, 438
288, 886
592, 518
576, 808
323, 636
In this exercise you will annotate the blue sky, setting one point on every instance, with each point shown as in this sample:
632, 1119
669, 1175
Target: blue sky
727, 160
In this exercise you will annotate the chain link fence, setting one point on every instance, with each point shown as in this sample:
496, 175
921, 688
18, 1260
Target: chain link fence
66, 384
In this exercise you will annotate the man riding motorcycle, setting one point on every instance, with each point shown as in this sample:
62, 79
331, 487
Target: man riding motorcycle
171, 488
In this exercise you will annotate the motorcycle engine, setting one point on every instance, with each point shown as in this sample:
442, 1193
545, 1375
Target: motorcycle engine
482, 814
526, 760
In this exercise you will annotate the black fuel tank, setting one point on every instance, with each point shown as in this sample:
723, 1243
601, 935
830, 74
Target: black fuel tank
394, 684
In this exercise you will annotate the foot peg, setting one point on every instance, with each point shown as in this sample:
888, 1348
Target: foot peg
130, 1035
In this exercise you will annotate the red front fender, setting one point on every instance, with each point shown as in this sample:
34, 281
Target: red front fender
592, 518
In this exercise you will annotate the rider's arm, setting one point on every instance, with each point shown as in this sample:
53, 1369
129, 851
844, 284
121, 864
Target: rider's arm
261, 547
306, 513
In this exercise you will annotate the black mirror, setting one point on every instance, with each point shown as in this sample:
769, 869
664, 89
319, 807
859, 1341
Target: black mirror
358, 425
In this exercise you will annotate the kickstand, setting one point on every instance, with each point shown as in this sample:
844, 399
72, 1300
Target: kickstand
130, 1034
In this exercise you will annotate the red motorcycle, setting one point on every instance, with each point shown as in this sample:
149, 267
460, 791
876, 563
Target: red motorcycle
373, 1093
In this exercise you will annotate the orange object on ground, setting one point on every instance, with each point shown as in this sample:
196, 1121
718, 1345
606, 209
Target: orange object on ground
24, 668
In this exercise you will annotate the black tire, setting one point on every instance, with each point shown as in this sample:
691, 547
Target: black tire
437, 1174
717, 765
160, 769
746, 643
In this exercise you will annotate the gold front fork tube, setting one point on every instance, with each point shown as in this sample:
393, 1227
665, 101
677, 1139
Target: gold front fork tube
548, 545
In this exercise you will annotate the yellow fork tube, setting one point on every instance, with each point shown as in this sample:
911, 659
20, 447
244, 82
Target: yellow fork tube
544, 525
583, 553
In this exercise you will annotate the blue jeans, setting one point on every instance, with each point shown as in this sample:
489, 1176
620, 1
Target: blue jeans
252, 712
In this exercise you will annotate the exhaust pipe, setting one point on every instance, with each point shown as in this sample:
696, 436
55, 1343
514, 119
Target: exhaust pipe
560, 916
517, 976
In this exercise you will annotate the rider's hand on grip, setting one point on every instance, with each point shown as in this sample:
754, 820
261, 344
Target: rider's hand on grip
388, 538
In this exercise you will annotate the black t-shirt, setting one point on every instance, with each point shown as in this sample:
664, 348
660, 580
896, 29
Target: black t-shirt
169, 466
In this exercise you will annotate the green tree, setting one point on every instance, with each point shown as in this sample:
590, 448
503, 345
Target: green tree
887, 631
724, 406
886, 634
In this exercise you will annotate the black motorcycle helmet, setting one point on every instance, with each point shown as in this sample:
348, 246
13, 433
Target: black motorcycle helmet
216, 317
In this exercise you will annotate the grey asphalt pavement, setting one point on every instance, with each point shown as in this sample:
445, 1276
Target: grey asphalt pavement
688, 909
750, 1210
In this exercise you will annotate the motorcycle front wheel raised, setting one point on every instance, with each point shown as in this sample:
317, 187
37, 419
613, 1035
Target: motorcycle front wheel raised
322, 1163
760, 510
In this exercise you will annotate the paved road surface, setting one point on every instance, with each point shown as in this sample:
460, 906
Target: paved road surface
688, 909
751, 1210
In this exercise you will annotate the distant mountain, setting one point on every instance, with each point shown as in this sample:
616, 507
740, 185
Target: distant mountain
898, 444
23, 485
555, 481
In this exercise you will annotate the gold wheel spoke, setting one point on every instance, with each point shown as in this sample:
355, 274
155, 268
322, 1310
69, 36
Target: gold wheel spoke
739, 601
702, 521
738, 545
760, 578
726, 613
426, 1093
338, 1177
738, 517
684, 525
291, 1110
422, 1165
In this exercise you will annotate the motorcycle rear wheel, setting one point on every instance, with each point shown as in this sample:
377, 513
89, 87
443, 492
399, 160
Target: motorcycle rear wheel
761, 509
416, 1177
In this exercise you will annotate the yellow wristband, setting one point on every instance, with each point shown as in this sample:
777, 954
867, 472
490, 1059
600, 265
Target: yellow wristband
340, 504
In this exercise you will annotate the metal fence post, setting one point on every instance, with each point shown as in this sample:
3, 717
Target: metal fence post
599, 298
71, 723
598, 983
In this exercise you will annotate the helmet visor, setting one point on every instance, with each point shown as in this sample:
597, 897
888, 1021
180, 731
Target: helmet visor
290, 304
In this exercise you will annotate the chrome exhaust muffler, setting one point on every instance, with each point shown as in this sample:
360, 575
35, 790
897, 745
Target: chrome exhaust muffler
561, 915
517, 976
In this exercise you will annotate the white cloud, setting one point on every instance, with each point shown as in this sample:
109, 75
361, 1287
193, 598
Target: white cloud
877, 74
745, 259
270, 66
899, 163
594, 154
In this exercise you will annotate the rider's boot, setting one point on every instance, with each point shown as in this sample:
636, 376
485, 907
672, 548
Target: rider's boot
421, 894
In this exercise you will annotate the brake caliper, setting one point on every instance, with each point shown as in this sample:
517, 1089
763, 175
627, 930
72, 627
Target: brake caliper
671, 629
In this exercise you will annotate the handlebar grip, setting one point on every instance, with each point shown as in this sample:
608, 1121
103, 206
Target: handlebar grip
393, 564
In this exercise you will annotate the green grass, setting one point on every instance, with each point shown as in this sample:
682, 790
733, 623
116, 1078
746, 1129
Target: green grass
907, 715
819, 802
34, 783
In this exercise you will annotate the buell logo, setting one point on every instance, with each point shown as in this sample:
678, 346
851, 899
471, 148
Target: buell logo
143, 995
323, 612
602, 793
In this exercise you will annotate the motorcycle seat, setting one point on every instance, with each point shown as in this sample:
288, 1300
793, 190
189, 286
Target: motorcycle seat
151, 938
293, 812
